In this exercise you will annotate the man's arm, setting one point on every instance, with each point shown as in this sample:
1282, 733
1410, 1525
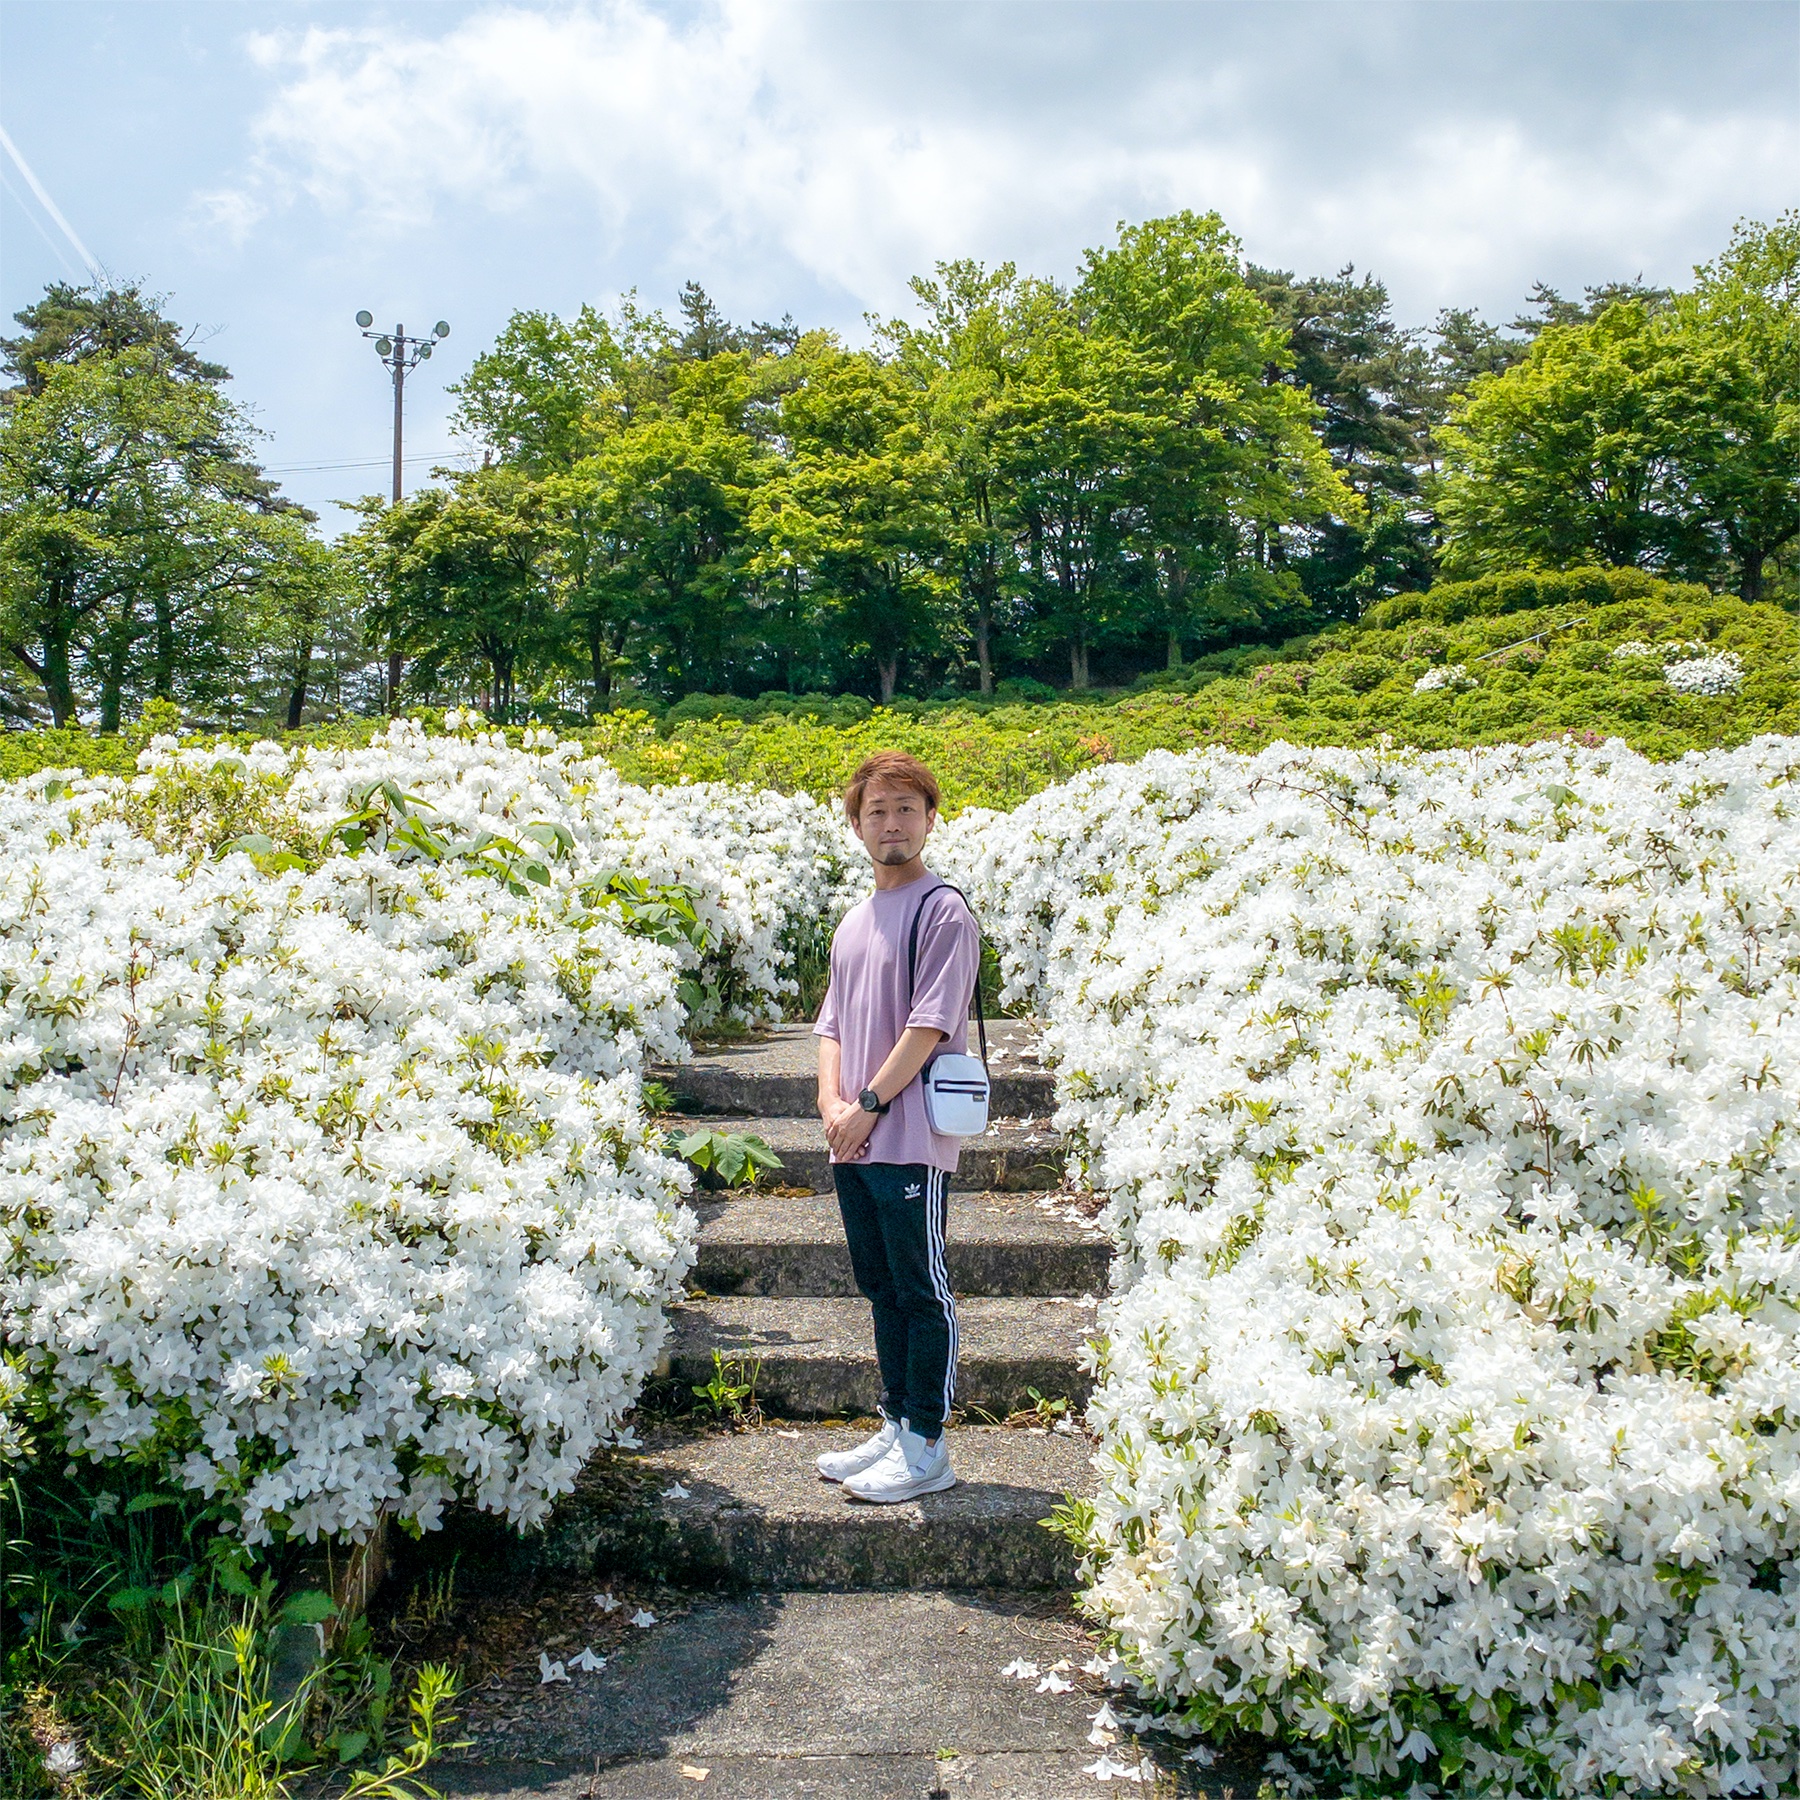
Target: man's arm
905, 1060
831, 1069
849, 1131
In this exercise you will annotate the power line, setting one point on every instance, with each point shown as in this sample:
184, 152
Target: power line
376, 462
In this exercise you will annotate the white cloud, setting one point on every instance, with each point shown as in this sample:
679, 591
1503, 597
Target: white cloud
226, 213
859, 145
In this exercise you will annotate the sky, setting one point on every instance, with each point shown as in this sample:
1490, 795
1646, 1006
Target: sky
275, 165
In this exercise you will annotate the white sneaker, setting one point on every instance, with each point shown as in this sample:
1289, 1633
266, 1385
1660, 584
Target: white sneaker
911, 1468
840, 1465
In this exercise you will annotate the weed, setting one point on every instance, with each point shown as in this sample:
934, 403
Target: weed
734, 1158
730, 1396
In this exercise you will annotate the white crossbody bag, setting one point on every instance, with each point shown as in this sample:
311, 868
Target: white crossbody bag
956, 1086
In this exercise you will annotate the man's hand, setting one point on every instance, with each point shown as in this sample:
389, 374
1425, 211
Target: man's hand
845, 1122
848, 1130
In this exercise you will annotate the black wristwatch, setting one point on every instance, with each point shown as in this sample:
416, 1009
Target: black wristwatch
870, 1101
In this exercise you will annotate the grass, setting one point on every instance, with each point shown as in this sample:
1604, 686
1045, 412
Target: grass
140, 1651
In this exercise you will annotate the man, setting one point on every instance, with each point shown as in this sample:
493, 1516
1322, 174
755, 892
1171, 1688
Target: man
875, 1035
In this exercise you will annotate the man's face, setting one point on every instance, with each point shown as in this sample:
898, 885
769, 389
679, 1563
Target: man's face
894, 822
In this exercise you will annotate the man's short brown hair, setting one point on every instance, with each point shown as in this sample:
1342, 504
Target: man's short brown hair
889, 765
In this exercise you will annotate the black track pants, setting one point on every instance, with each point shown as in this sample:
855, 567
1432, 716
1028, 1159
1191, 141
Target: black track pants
894, 1217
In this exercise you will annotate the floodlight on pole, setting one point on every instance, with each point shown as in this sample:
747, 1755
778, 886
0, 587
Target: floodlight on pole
402, 354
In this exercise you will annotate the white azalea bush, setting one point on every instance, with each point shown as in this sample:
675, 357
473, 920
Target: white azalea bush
1720, 674
759, 867
1689, 667
1454, 676
1449, 1106
326, 1182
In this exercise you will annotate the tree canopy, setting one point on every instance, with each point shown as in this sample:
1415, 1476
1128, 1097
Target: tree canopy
1018, 482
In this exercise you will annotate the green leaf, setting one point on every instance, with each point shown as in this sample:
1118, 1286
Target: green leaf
232, 1578
251, 843
311, 1606
696, 1147
555, 838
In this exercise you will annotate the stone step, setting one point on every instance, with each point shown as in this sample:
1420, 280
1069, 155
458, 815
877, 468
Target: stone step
755, 1513
777, 1076
817, 1357
826, 1696
999, 1244
1007, 1157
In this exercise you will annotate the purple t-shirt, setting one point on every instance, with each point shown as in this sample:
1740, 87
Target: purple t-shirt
866, 1007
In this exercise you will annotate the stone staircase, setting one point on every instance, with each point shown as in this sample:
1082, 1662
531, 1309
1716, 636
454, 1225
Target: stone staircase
903, 1616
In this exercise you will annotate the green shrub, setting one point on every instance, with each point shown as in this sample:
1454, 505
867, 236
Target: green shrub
1024, 687
1362, 674
1527, 590
1537, 648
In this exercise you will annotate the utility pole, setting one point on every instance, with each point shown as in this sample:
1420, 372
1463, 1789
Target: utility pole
401, 354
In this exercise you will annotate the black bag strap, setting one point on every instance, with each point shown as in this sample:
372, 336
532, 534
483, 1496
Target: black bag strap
912, 958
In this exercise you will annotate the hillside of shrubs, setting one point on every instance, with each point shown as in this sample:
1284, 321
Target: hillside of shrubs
1510, 658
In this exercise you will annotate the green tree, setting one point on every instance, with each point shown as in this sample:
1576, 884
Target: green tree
858, 505
123, 525
1661, 434
72, 324
546, 391
1070, 434
1733, 371
459, 579
1370, 381
959, 365
677, 485
307, 601
1566, 458
1225, 459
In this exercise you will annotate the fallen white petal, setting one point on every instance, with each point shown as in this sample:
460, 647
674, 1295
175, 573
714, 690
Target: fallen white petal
549, 1671
643, 1619
64, 1758
587, 1662
1054, 1684
606, 1603
1021, 1669
675, 1491
788, 1434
